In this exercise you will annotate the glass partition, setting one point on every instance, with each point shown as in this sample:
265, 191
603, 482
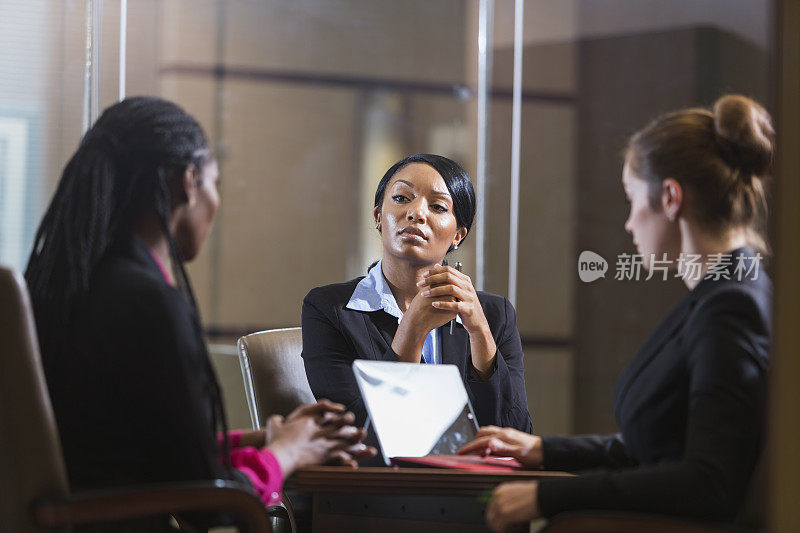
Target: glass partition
308, 102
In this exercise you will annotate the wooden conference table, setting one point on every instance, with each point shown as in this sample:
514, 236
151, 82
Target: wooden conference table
389, 500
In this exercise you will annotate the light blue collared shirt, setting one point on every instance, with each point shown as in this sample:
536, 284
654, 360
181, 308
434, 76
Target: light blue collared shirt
373, 294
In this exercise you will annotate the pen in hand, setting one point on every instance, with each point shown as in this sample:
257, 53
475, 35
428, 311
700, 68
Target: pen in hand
453, 322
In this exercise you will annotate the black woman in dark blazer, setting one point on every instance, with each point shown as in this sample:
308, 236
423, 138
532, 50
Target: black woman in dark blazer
135, 396
691, 403
424, 207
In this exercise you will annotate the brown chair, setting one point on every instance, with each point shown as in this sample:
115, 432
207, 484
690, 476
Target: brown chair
34, 491
273, 372
275, 382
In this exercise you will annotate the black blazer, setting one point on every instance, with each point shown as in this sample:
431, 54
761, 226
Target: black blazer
334, 337
129, 389
691, 408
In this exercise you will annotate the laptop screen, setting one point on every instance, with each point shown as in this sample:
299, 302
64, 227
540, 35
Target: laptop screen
416, 409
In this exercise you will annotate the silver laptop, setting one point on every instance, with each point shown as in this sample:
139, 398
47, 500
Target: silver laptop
416, 410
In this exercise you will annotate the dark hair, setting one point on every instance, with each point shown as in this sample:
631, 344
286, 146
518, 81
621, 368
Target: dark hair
456, 178
120, 172
721, 157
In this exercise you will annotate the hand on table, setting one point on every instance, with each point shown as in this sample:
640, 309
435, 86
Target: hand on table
324, 410
512, 505
316, 434
507, 442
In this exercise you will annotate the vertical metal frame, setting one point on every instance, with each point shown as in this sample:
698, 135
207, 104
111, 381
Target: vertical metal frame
123, 46
516, 132
485, 24
91, 80
91, 69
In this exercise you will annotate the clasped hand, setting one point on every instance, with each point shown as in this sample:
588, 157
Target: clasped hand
447, 289
445, 293
316, 433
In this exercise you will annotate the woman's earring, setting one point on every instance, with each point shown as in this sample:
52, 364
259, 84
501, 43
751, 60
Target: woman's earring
378, 226
455, 246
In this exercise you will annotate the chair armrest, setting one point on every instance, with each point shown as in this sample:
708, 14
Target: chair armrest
588, 522
229, 497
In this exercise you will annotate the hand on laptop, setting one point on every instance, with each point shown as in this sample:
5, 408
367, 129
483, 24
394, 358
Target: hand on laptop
507, 442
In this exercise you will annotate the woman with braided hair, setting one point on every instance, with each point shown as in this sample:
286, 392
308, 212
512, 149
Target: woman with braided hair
134, 393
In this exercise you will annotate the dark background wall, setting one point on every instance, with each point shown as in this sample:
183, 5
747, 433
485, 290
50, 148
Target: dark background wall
625, 81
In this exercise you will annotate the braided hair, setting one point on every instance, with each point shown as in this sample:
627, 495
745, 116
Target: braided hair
120, 172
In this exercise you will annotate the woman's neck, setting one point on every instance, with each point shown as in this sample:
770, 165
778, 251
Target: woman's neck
402, 277
705, 244
149, 230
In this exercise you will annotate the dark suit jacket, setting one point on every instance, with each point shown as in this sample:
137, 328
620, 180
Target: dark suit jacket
334, 337
129, 389
691, 409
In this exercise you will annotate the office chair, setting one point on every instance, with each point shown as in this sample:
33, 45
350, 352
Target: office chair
273, 372
275, 383
35, 493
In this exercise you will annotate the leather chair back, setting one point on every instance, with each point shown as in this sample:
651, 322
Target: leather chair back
31, 461
273, 372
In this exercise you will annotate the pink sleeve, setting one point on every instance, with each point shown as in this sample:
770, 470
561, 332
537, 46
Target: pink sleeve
234, 438
263, 470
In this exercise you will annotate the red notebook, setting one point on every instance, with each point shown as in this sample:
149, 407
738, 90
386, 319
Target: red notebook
461, 462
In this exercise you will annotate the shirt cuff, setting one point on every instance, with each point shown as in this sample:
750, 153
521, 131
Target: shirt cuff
262, 469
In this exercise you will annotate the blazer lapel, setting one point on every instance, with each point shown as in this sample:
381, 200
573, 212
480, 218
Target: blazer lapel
381, 328
652, 346
675, 320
